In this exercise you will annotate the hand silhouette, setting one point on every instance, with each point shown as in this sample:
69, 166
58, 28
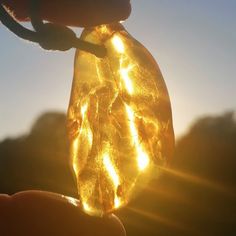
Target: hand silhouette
41, 213
82, 13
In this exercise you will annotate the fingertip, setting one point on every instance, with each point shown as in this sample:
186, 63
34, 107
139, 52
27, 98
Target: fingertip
125, 9
4, 197
108, 11
19, 9
4, 213
38, 212
4, 201
74, 13
118, 226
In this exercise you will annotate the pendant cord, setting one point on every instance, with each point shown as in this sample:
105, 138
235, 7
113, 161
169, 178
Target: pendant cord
48, 35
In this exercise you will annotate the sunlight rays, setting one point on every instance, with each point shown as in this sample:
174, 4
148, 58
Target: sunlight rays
199, 180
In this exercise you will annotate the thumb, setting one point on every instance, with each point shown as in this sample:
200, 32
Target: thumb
82, 13
44, 213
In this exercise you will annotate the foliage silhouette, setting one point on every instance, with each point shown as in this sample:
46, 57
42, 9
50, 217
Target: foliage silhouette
195, 196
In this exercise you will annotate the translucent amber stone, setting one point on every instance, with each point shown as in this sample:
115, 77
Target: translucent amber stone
119, 120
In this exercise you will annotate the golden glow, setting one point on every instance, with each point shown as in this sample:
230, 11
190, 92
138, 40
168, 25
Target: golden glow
111, 170
85, 133
142, 157
163, 220
118, 44
87, 208
72, 200
117, 104
199, 180
74, 157
117, 202
113, 176
124, 72
103, 29
85, 127
84, 110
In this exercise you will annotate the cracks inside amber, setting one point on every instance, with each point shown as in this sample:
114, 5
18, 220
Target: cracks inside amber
119, 120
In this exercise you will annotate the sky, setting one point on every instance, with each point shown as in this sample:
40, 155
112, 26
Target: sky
194, 43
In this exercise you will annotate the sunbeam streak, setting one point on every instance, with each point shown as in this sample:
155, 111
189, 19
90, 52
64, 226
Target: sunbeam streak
163, 220
199, 180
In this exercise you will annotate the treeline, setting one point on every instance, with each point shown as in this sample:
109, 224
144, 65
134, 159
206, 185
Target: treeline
196, 195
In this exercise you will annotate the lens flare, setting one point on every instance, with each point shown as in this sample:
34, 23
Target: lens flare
118, 44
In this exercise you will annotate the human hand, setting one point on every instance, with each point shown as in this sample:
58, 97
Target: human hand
82, 13
43, 213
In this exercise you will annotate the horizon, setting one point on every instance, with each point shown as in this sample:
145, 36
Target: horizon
193, 43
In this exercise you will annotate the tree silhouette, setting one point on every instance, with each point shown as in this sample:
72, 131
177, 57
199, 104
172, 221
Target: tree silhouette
38, 160
196, 195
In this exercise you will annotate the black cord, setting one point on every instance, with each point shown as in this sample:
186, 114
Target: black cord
48, 35
15, 27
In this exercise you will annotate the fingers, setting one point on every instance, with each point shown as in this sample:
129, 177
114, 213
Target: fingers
42, 213
82, 13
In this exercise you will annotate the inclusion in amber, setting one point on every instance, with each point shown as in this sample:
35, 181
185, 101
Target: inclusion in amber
119, 120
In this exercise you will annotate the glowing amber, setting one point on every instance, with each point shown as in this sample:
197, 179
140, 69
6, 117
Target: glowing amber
119, 120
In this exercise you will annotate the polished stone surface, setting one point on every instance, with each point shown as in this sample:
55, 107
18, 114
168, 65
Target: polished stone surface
119, 120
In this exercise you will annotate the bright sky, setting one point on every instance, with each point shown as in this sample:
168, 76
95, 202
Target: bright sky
194, 43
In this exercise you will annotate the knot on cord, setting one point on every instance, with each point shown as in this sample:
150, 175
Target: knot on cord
48, 35
56, 37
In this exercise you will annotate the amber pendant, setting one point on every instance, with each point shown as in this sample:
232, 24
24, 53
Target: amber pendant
119, 120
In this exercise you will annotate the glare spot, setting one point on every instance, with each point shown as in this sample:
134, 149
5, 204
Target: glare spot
84, 109
72, 200
142, 157
118, 44
75, 146
87, 208
114, 177
111, 170
117, 202
124, 72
